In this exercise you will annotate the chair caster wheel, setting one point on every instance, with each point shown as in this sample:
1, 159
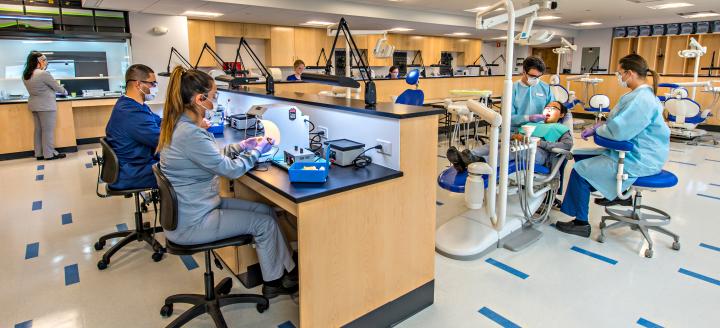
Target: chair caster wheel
157, 256
676, 246
649, 253
601, 239
146, 225
99, 245
262, 307
166, 310
102, 265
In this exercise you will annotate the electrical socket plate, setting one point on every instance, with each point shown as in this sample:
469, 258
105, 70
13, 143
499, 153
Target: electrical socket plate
386, 147
326, 134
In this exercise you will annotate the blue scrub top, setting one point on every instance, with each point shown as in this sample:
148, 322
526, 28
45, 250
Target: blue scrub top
529, 100
133, 132
292, 78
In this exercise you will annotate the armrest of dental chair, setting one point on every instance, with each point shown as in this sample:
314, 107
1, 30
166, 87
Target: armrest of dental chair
563, 156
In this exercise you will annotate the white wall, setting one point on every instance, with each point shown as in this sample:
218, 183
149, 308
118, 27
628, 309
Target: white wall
490, 51
153, 50
593, 38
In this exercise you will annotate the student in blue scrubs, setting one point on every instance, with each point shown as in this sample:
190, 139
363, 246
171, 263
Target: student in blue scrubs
530, 95
298, 67
637, 118
133, 130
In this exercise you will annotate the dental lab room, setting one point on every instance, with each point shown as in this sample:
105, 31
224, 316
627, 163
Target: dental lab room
359, 163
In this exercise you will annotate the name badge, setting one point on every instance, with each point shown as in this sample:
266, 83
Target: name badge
540, 94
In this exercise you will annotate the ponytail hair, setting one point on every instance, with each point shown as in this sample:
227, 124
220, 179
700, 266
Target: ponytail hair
31, 64
639, 65
184, 85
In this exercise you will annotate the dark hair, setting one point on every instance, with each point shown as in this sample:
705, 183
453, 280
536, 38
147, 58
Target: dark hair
138, 72
298, 63
534, 62
563, 108
183, 87
392, 68
637, 64
31, 64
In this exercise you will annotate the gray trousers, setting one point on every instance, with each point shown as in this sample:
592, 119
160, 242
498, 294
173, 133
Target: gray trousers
45, 133
238, 217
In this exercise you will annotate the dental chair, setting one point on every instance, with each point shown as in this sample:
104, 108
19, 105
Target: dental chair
684, 114
640, 217
599, 105
415, 97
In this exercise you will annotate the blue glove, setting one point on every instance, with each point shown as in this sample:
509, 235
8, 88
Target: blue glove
535, 118
265, 145
587, 133
248, 144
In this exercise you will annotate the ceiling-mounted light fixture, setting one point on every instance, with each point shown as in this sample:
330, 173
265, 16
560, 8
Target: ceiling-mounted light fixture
401, 29
482, 8
201, 14
580, 24
700, 14
317, 23
547, 17
672, 5
458, 34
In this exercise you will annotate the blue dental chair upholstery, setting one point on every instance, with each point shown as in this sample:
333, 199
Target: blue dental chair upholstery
640, 217
452, 180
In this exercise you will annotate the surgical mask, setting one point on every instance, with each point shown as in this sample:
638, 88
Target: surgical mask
533, 81
150, 96
210, 112
620, 80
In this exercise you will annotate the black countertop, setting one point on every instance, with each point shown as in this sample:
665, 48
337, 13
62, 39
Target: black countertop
24, 100
384, 109
339, 179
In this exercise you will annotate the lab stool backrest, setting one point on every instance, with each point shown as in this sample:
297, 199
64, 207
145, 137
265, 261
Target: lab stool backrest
110, 165
168, 200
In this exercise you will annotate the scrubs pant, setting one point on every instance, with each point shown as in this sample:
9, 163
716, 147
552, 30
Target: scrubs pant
576, 202
237, 217
45, 133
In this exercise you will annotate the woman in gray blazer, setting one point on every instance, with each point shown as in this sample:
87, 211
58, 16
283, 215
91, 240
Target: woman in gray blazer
192, 162
42, 88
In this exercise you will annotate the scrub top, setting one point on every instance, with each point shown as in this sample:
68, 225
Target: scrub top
292, 78
529, 100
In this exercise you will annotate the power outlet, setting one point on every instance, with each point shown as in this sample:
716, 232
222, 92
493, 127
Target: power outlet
325, 132
386, 147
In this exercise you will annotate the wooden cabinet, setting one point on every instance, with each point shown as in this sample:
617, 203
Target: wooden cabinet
238, 30
257, 31
308, 42
431, 49
400, 41
199, 33
470, 51
621, 47
281, 47
712, 42
675, 64
648, 48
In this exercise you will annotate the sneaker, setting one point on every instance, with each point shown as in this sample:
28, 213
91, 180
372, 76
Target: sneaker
453, 155
58, 156
574, 229
275, 291
467, 158
39, 158
617, 201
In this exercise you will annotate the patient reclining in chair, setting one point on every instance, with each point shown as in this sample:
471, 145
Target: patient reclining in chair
552, 134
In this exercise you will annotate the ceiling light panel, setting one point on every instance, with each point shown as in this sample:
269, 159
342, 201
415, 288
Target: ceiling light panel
201, 14
580, 24
671, 5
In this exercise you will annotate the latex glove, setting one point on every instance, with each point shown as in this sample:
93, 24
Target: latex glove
535, 118
248, 144
588, 132
264, 145
205, 124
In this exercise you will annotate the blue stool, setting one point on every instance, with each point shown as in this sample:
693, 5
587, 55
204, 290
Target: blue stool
640, 217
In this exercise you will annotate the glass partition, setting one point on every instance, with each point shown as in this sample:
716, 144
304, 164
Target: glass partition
79, 65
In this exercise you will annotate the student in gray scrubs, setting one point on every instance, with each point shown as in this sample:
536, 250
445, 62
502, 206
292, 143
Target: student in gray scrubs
192, 162
42, 88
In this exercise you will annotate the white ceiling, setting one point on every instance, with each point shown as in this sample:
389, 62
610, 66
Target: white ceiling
426, 17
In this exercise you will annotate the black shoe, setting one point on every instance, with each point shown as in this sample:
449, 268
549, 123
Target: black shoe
573, 228
557, 204
58, 156
275, 291
453, 155
467, 158
617, 201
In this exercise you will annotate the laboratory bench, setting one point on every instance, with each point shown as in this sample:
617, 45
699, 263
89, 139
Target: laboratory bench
366, 237
80, 120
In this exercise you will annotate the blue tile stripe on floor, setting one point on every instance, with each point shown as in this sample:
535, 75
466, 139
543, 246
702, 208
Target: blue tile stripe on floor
32, 250
699, 276
709, 196
715, 185
88, 165
286, 324
711, 247
37, 205
121, 227
42, 167
508, 268
189, 262
684, 163
66, 218
72, 275
594, 255
647, 323
39, 177
497, 318
24, 324
713, 160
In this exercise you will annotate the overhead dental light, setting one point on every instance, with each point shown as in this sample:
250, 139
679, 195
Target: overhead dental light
528, 37
566, 48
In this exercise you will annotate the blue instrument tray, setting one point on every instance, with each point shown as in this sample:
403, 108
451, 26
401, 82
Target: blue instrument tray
297, 174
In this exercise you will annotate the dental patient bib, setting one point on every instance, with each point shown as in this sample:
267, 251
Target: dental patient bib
548, 132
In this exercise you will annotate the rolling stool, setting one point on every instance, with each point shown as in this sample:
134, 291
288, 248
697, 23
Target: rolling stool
215, 297
652, 218
108, 170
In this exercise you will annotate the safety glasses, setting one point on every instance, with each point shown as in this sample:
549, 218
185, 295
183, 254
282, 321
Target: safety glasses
151, 83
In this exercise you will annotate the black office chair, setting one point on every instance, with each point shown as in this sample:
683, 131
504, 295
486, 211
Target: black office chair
215, 297
108, 170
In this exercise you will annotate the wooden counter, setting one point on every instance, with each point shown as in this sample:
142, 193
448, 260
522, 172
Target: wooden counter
78, 121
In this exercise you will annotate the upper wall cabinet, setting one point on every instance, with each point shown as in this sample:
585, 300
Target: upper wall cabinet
199, 33
238, 30
281, 46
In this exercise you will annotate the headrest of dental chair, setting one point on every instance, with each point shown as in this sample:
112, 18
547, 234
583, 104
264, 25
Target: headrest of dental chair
600, 102
413, 77
568, 120
685, 107
679, 92
560, 93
